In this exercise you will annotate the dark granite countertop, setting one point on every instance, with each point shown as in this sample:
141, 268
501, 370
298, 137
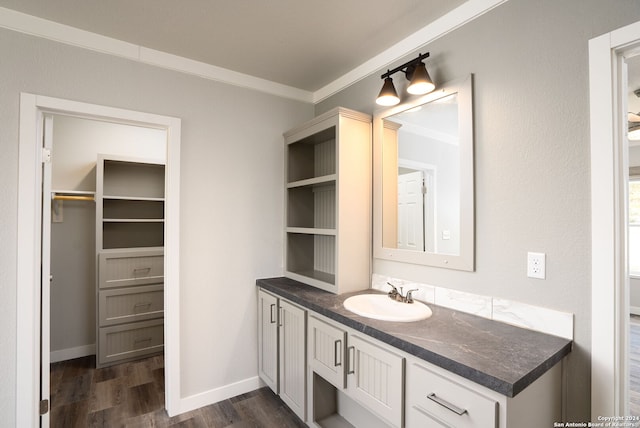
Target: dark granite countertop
499, 356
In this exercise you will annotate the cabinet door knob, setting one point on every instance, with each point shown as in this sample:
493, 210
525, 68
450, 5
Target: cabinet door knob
444, 403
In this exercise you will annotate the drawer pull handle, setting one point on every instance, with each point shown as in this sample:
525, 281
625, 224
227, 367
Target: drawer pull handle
455, 409
337, 348
146, 339
280, 317
271, 309
143, 304
351, 365
141, 270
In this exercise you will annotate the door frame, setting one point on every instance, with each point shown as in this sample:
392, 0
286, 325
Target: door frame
29, 238
609, 278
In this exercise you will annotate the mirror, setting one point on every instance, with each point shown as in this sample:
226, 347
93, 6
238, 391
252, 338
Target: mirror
423, 179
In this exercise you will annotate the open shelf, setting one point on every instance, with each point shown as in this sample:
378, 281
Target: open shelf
333, 408
313, 156
312, 206
132, 234
133, 208
327, 169
311, 256
133, 179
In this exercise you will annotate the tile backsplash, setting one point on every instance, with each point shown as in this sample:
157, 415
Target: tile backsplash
519, 314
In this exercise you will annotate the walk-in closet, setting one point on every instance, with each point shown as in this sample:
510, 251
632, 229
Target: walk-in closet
107, 245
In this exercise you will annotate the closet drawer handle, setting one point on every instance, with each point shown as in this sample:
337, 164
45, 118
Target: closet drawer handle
455, 409
146, 339
337, 347
143, 304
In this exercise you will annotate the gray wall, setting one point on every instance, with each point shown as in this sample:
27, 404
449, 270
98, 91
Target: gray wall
531, 101
231, 195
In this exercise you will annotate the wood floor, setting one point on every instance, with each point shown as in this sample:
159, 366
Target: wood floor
132, 395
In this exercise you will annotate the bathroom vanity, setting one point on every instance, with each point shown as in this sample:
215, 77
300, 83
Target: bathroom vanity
453, 369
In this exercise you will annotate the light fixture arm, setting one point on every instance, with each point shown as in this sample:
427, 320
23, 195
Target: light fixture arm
407, 67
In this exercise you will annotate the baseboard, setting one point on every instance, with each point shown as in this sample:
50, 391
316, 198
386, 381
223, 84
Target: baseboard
635, 310
212, 396
71, 353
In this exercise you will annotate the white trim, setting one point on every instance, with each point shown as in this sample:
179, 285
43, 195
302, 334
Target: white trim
215, 395
28, 24
459, 16
610, 303
28, 247
71, 353
28, 267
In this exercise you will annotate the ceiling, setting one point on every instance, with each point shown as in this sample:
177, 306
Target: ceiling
304, 44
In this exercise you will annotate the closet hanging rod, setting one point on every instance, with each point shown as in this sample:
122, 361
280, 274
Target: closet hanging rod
72, 195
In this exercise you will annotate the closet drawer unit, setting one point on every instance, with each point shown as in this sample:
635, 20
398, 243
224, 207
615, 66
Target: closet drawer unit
124, 305
129, 268
126, 341
446, 401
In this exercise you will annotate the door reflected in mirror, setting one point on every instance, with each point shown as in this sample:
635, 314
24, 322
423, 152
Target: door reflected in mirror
423, 165
427, 178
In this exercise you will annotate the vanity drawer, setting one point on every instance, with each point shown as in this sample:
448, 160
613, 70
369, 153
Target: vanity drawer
124, 305
129, 268
443, 399
121, 342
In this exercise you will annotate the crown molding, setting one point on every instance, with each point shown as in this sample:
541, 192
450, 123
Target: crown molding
39, 27
459, 16
32, 25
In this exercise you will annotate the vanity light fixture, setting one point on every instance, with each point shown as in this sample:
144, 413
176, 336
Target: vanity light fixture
416, 72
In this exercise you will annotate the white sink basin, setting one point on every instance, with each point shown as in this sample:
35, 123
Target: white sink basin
381, 307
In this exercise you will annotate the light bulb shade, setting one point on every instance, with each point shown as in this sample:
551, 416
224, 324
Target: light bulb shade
388, 95
420, 81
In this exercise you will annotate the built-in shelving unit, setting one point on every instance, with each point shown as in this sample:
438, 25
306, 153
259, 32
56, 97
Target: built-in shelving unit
328, 201
130, 253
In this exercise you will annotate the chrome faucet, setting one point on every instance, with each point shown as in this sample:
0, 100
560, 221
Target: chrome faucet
396, 295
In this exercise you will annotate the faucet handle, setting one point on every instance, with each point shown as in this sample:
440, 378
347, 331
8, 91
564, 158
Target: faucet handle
408, 298
394, 290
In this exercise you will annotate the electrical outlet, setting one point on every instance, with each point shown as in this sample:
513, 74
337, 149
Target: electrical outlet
536, 265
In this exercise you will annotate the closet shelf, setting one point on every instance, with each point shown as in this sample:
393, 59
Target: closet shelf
311, 231
132, 198
325, 179
133, 220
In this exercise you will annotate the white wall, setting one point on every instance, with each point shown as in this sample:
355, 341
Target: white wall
231, 195
76, 145
531, 105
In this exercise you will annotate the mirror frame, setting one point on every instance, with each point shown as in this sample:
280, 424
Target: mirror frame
465, 260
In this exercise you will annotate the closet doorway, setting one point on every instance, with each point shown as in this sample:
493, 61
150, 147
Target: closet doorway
58, 139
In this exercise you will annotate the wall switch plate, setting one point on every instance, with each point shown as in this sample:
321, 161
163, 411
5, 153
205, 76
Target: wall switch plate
536, 265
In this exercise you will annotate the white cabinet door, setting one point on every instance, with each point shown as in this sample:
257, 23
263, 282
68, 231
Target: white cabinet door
326, 351
292, 357
375, 378
268, 339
